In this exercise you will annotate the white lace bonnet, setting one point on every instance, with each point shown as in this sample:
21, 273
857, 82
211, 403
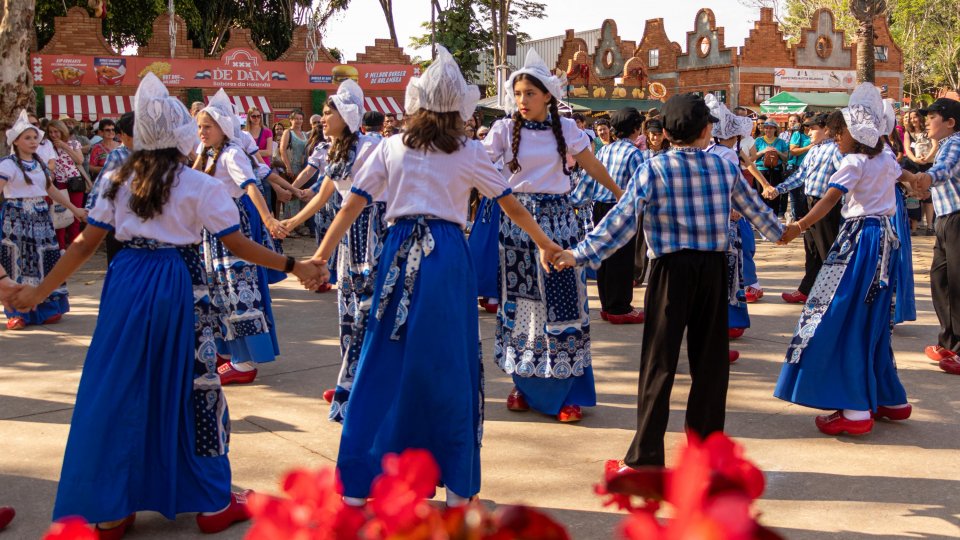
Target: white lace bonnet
534, 66
160, 120
349, 103
220, 108
22, 124
729, 125
442, 88
864, 115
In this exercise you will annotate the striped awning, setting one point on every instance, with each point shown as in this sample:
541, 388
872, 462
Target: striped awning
386, 105
89, 108
244, 103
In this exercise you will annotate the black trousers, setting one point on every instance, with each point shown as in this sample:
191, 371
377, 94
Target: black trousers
615, 276
817, 241
775, 178
686, 290
945, 279
640, 261
113, 246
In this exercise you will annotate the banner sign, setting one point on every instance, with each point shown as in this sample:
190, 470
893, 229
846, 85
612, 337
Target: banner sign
815, 78
236, 68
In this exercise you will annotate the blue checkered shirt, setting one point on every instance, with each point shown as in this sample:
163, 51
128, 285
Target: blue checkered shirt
945, 173
115, 160
814, 173
621, 159
685, 196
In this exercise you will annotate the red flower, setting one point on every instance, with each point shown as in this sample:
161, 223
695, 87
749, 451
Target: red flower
621, 485
71, 528
312, 510
731, 470
524, 523
397, 495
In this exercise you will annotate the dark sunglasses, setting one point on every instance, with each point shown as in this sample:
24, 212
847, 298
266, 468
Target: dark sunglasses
254, 116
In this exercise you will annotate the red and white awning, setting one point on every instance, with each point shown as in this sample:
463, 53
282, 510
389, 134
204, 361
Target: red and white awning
244, 103
88, 108
386, 105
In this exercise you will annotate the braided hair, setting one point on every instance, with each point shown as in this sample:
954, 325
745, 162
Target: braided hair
26, 177
201, 163
556, 126
154, 173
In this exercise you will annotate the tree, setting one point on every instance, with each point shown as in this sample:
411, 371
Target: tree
866, 11
502, 17
387, 7
932, 59
458, 28
16, 83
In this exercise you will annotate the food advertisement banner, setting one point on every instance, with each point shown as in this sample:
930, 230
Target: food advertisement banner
236, 68
815, 78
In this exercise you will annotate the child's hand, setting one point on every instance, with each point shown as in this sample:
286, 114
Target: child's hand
284, 195
770, 192
547, 255
25, 299
564, 260
790, 232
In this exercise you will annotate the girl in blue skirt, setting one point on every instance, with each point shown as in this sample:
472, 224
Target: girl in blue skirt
28, 241
841, 355
419, 382
543, 326
359, 250
150, 430
240, 292
484, 242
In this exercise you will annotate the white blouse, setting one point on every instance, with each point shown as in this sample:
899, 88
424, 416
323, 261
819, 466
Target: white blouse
197, 201
234, 170
868, 184
415, 182
541, 169
250, 146
366, 144
16, 186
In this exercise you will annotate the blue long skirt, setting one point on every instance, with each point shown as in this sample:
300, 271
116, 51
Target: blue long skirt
543, 324
28, 251
240, 295
841, 356
260, 235
419, 383
906, 299
484, 242
150, 426
322, 221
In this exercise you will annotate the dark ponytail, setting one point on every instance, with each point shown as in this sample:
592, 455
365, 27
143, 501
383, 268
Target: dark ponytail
201, 163
514, 164
40, 163
558, 134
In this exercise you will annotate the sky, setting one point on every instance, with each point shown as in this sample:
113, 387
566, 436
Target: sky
364, 21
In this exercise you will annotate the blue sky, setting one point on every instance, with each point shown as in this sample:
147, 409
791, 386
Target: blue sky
364, 20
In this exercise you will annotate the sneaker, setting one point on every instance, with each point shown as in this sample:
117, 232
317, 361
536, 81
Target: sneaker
938, 353
796, 297
951, 365
235, 513
516, 402
634, 317
228, 375
570, 413
894, 413
837, 423
931, 232
736, 333
16, 323
116, 532
753, 294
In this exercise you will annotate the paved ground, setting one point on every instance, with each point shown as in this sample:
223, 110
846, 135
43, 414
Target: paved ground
901, 481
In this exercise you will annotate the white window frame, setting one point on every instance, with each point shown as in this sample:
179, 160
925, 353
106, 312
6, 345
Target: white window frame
653, 58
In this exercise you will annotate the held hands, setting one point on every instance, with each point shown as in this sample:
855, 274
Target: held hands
24, 299
8, 288
81, 214
770, 192
312, 273
564, 260
284, 195
304, 195
277, 230
547, 255
790, 232
289, 224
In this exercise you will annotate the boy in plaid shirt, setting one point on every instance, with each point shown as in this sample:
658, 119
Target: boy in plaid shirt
685, 196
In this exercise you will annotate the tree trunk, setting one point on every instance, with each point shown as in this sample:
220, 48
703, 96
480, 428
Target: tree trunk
866, 55
16, 78
387, 6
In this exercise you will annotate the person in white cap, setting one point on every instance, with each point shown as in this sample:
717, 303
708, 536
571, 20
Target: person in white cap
543, 324
247, 334
150, 427
28, 241
337, 161
420, 377
840, 356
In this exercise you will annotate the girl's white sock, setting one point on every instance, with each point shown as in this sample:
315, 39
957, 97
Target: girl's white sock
856, 415
245, 366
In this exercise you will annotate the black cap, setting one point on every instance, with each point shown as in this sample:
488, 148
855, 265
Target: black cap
373, 118
654, 125
945, 107
685, 115
819, 119
625, 121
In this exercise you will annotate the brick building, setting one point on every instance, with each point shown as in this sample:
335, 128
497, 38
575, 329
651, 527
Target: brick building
824, 60
78, 38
